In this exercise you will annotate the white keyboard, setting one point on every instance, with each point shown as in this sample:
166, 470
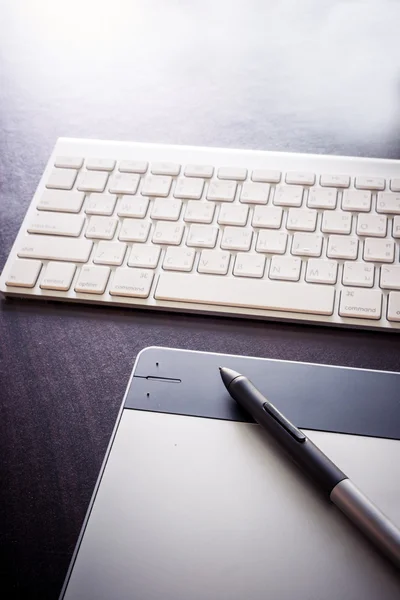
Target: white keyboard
235, 232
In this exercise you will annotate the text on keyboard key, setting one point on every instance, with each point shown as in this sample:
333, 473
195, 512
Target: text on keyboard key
58, 276
92, 280
167, 232
24, 273
396, 227
307, 244
300, 219
271, 241
267, 216
133, 166
247, 293
132, 206
266, 176
233, 214
100, 204
199, 212
179, 259
109, 253
297, 177
132, 282
134, 230
61, 201
167, 209
388, 203
55, 248
371, 225
390, 277
336, 222
325, 198
341, 246
101, 228
395, 185
165, 168
189, 188
285, 268
254, 193
359, 303
91, 181
321, 271
205, 171
144, 256
339, 181
214, 261
156, 185
358, 274
53, 223
224, 191
370, 183
123, 183
248, 264
356, 200
236, 238
288, 196
61, 179
202, 236
379, 250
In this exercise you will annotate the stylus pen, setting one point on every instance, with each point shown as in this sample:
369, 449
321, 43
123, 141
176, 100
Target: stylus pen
351, 501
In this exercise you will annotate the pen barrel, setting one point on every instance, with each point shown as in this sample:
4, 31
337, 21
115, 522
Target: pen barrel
368, 518
304, 453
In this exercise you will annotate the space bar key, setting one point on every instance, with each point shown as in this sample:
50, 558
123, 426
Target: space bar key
260, 294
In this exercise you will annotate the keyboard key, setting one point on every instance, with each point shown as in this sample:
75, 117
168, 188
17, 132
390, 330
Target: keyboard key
390, 277
394, 306
358, 274
249, 265
132, 282
358, 303
301, 220
306, 244
388, 203
395, 185
123, 183
341, 246
190, 188
377, 250
92, 280
273, 242
321, 271
61, 179
372, 225
357, 201
100, 204
318, 198
68, 162
56, 224
101, 228
396, 227
254, 193
24, 273
236, 238
296, 177
267, 216
285, 268
45, 247
246, 293
166, 209
199, 212
205, 171
266, 176
233, 214
58, 276
214, 261
165, 168
60, 201
202, 236
288, 196
91, 181
100, 164
134, 230
370, 183
179, 259
336, 222
237, 173
338, 181
109, 253
223, 191
155, 185
168, 233
133, 166
144, 256
133, 206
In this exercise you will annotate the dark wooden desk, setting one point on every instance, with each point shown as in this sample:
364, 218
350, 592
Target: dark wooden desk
314, 77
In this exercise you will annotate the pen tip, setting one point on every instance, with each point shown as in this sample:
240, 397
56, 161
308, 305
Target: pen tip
220, 369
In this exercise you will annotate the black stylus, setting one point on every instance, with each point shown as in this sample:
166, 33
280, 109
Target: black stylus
351, 501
